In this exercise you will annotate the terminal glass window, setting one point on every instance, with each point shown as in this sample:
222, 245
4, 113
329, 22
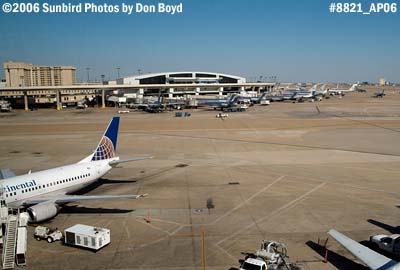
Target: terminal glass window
181, 75
228, 80
153, 80
204, 75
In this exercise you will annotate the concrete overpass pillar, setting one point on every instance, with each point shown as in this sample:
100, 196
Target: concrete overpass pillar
197, 91
103, 98
220, 91
58, 100
140, 93
171, 93
26, 101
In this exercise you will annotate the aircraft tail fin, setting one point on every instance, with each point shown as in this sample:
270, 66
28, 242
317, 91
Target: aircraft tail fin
107, 146
233, 99
353, 87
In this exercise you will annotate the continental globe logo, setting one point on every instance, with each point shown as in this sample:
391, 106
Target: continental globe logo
105, 150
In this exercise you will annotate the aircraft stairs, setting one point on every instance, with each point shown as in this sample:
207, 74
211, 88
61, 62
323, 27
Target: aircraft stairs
10, 243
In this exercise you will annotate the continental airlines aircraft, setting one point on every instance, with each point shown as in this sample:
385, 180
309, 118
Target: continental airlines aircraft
43, 192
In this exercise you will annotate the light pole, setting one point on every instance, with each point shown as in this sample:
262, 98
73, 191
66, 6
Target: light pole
87, 69
139, 71
102, 78
118, 68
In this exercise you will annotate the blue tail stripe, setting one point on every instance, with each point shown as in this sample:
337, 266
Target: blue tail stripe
108, 144
112, 131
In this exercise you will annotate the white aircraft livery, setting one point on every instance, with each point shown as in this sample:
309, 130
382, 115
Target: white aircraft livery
42, 193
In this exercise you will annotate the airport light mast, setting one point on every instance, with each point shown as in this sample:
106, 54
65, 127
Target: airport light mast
118, 68
88, 69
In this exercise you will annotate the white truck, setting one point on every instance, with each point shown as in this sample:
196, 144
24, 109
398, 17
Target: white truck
5, 106
253, 264
264, 102
388, 243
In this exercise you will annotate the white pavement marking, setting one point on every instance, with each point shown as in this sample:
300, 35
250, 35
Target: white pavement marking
162, 230
226, 253
318, 180
274, 213
246, 201
126, 229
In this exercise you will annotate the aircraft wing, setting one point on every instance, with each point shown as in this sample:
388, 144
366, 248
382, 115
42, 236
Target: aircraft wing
116, 162
369, 257
74, 198
6, 173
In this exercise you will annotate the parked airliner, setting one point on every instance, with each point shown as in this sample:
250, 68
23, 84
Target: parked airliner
337, 91
42, 193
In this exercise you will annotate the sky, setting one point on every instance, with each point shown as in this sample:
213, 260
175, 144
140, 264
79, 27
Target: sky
296, 41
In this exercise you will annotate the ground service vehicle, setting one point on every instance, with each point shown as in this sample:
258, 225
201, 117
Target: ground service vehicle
42, 232
388, 243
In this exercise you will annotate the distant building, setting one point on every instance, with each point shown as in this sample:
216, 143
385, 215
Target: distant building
382, 81
19, 74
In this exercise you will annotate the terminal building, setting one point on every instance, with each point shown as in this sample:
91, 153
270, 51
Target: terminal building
28, 84
20, 74
196, 82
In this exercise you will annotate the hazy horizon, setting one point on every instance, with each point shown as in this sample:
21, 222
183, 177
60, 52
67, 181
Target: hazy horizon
296, 41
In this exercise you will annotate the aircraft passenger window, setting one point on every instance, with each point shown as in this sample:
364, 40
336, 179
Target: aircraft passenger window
57, 182
6, 195
22, 191
15, 193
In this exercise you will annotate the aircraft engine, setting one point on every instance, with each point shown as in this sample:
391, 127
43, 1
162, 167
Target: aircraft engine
42, 211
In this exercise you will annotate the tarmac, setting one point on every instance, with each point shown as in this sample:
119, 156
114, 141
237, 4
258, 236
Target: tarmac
286, 172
